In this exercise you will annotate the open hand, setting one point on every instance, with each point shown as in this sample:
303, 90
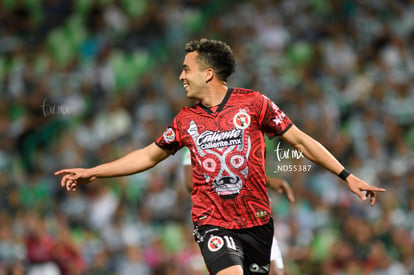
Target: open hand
74, 176
357, 185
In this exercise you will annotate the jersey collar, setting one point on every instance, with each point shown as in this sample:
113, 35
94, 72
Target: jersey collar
221, 105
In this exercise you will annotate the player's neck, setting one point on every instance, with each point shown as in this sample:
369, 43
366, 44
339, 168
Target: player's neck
215, 95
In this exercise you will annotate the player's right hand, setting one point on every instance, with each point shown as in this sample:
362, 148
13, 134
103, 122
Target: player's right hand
74, 176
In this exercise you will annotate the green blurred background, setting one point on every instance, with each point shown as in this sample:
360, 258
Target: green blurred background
84, 82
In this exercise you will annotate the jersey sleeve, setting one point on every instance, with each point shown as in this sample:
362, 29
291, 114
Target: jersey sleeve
170, 139
273, 121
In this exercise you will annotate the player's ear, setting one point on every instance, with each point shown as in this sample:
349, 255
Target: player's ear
209, 75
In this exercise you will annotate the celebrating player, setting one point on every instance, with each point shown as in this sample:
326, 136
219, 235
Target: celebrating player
225, 134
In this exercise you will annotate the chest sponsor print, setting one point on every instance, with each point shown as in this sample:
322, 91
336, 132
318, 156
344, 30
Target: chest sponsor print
223, 156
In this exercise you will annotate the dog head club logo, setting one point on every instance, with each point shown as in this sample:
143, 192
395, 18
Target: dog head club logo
241, 120
215, 243
169, 135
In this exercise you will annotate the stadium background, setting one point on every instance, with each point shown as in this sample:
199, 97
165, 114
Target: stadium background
83, 82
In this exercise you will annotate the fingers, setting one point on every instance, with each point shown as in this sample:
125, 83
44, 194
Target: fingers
364, 190
289, 192
372, 196
69, 184
358, 192
66, 178
63, 171
372, 200
371, 193
69, 180
376, 189
362, 196
74, 176
291, 197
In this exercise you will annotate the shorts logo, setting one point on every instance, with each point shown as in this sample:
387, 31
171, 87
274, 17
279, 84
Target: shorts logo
259, 269
215, 243
241, 120
169, 135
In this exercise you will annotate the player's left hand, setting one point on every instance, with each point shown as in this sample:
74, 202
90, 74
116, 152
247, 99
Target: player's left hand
285, 187
357, 186
281, 186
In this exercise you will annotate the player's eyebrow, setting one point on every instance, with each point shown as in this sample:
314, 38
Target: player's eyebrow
186, 67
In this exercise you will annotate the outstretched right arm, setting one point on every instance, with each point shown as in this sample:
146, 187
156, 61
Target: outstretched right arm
134, 162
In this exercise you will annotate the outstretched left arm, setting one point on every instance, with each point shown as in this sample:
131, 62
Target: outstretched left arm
318, 154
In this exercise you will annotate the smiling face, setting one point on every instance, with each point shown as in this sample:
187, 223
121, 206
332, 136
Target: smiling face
195, 76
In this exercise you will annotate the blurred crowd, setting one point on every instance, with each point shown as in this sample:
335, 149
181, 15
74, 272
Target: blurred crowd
84, 82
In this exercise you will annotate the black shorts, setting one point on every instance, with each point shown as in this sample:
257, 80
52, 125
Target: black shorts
249, 248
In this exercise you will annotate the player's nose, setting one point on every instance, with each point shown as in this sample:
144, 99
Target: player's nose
181, 76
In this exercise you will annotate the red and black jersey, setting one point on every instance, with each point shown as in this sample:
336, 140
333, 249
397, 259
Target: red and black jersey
228, 156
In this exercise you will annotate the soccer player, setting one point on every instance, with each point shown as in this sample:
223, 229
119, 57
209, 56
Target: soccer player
276, 260
225, 134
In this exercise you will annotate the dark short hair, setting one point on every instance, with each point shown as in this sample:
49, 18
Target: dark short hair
214, 54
